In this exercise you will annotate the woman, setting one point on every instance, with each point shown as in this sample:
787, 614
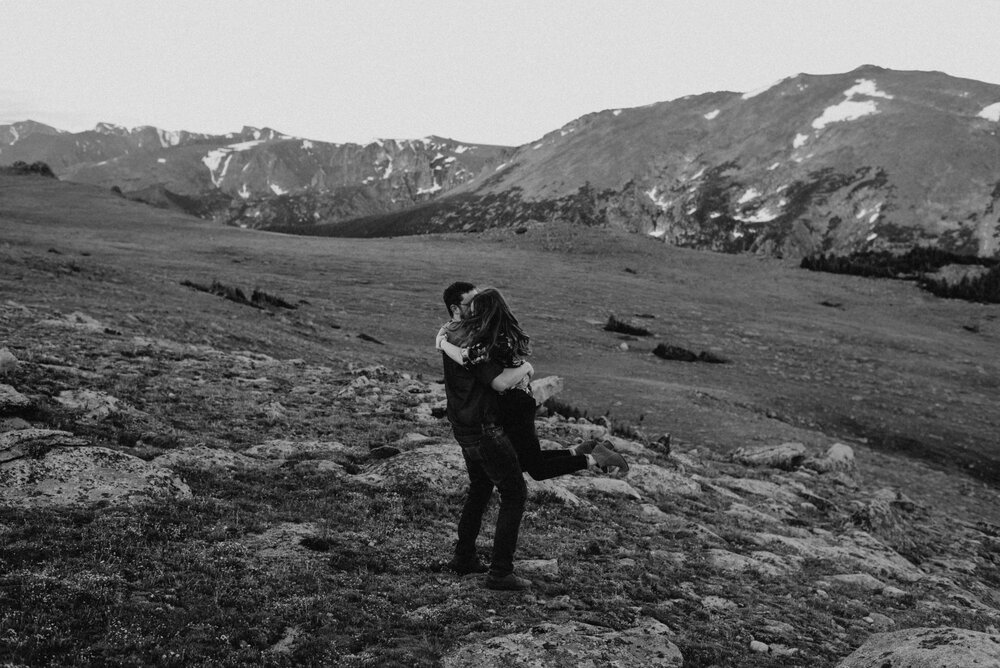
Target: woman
491, 332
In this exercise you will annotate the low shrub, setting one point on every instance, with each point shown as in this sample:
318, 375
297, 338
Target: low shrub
20, 167
678, 354
258, 299
623, 327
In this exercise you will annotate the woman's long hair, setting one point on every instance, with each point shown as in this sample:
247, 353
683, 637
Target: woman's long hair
491, 324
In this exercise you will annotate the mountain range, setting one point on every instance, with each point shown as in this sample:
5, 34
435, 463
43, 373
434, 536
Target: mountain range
872, 159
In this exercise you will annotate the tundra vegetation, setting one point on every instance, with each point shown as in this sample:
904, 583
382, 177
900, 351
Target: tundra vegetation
287, 491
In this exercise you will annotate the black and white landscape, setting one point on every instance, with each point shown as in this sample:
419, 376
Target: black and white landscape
222, 445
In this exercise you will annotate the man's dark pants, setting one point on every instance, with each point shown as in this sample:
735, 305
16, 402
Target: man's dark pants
491, 462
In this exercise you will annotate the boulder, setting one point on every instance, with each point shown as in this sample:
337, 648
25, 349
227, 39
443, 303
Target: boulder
544, 389
786, 456
439, 465
572, 644
926, 648
838, 457
8, 363
85, 476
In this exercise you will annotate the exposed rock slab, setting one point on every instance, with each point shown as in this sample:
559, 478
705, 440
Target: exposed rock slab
945, 647
785, 456
34, 442
85, 476
283, 449
12, 402
571, 645
660, 481
858, 548
204, 457
440, 466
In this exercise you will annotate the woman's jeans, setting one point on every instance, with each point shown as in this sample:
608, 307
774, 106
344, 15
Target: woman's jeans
517, 415
491, 462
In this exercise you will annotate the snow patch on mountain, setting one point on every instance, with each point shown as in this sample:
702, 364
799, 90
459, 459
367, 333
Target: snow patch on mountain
306, 144
991, 113
161, 160
659, 200
277, 190
750, 195
851, 109
427, 191
168, 138
712, 114
765, 214
799, 141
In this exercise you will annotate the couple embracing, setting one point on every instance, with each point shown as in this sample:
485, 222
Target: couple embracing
492, 413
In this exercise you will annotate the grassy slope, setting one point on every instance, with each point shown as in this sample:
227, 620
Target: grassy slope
890, 364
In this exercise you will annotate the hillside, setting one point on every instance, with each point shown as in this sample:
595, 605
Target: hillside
866, 160
291, 495
258, 177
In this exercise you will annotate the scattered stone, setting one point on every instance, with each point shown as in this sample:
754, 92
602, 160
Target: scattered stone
538, 566
12, 402
926, 648
786, 456
572, 644
84, 476
759, 647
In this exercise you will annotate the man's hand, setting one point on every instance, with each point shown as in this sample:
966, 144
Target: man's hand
442, 336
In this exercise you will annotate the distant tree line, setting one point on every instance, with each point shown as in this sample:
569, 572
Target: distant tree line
21, 167
916, 264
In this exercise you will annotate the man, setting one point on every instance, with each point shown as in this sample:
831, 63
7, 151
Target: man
490, 458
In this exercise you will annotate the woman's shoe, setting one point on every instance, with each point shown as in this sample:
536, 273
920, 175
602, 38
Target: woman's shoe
608, 459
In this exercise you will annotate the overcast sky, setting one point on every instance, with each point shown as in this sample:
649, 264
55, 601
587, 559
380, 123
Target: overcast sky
503, 72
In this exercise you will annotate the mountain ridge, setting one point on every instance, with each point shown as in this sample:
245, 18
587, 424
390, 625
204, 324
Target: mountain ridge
870, 159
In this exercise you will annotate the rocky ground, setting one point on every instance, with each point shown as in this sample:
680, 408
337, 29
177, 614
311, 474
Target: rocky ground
777, 554
188, 480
